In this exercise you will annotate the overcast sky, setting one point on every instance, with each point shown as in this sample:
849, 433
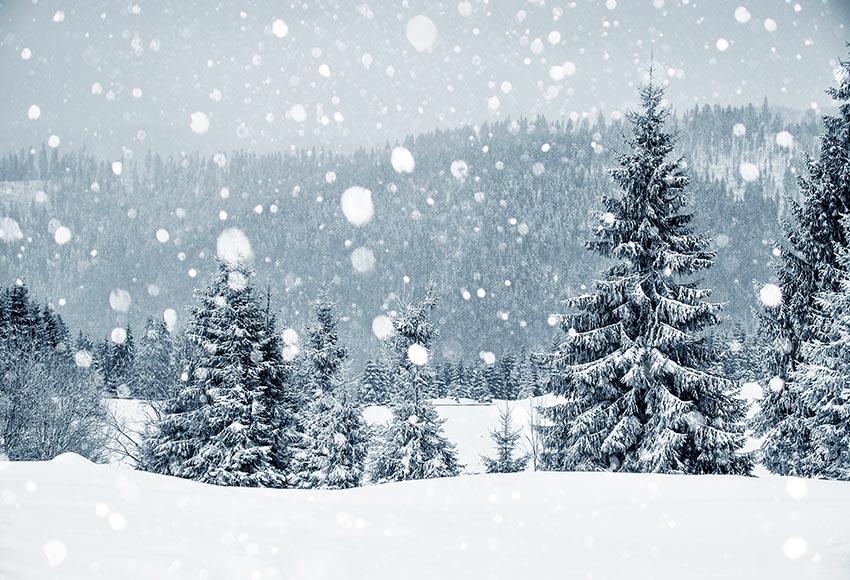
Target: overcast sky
117, 75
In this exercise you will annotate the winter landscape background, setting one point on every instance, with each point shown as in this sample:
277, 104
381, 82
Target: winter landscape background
583, 268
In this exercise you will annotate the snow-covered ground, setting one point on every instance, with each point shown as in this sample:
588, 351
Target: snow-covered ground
69, 518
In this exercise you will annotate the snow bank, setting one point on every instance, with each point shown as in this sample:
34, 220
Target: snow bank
70, 518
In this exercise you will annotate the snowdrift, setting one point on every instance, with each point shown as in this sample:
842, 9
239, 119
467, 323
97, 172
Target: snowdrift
69, 518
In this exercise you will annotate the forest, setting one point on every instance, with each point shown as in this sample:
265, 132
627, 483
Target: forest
646, 369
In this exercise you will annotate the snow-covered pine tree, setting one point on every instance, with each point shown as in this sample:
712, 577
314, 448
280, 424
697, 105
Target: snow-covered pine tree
412, 446
223, 427
122, 365
507, 387
807, 267
335, 443
374, 386
339, 442
634, 366
480, 389
156, 375
459, 383
505, 439
820, 383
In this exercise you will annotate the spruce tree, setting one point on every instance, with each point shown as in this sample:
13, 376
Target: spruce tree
156, 373
122, 366
374, 386
634, 365
335, 439
223, 426
480, 388
505, 438
820, 383
413, 446
806, 267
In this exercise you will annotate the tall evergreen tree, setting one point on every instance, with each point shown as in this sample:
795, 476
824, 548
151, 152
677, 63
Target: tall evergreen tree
805, 268
635, 366
223, 426
505, 439
820, 382
413, 446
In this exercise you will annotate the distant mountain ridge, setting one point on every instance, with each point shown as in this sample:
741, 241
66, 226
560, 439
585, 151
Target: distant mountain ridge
501, 233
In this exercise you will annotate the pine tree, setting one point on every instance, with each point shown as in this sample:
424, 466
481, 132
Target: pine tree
339, 442
122, 366
335, 439
156, 373
806, 268
635, 366
480, 388
374, 385
226, 424
412, 446
505, 439
820, 383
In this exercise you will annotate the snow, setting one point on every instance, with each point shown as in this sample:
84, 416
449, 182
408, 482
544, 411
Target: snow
279, 28
83, 359
402, 160
748, 171
742, 15
770, 295
382, 327
459, 169
119, 300
770, 25
363, 259
298, 113
82, 520
417, 354
62, 235
53, 141
290, 337
356, 205
199, 122
785, 139
233, 247
421, 33
34, 112
118, 335
169, 317
10, 230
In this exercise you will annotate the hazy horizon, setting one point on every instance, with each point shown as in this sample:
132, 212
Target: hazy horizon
268, 78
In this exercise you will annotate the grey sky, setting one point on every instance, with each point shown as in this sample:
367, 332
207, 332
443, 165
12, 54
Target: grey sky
116, 75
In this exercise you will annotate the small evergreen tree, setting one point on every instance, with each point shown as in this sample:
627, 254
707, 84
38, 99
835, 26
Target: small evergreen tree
122, 366
156, 374
335, 438
480, 388
412, 446
634, 367
374, 385
505, 439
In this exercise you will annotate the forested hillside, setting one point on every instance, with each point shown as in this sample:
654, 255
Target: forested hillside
495, 214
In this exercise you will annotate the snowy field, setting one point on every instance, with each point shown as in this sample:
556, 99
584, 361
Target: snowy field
69, 518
